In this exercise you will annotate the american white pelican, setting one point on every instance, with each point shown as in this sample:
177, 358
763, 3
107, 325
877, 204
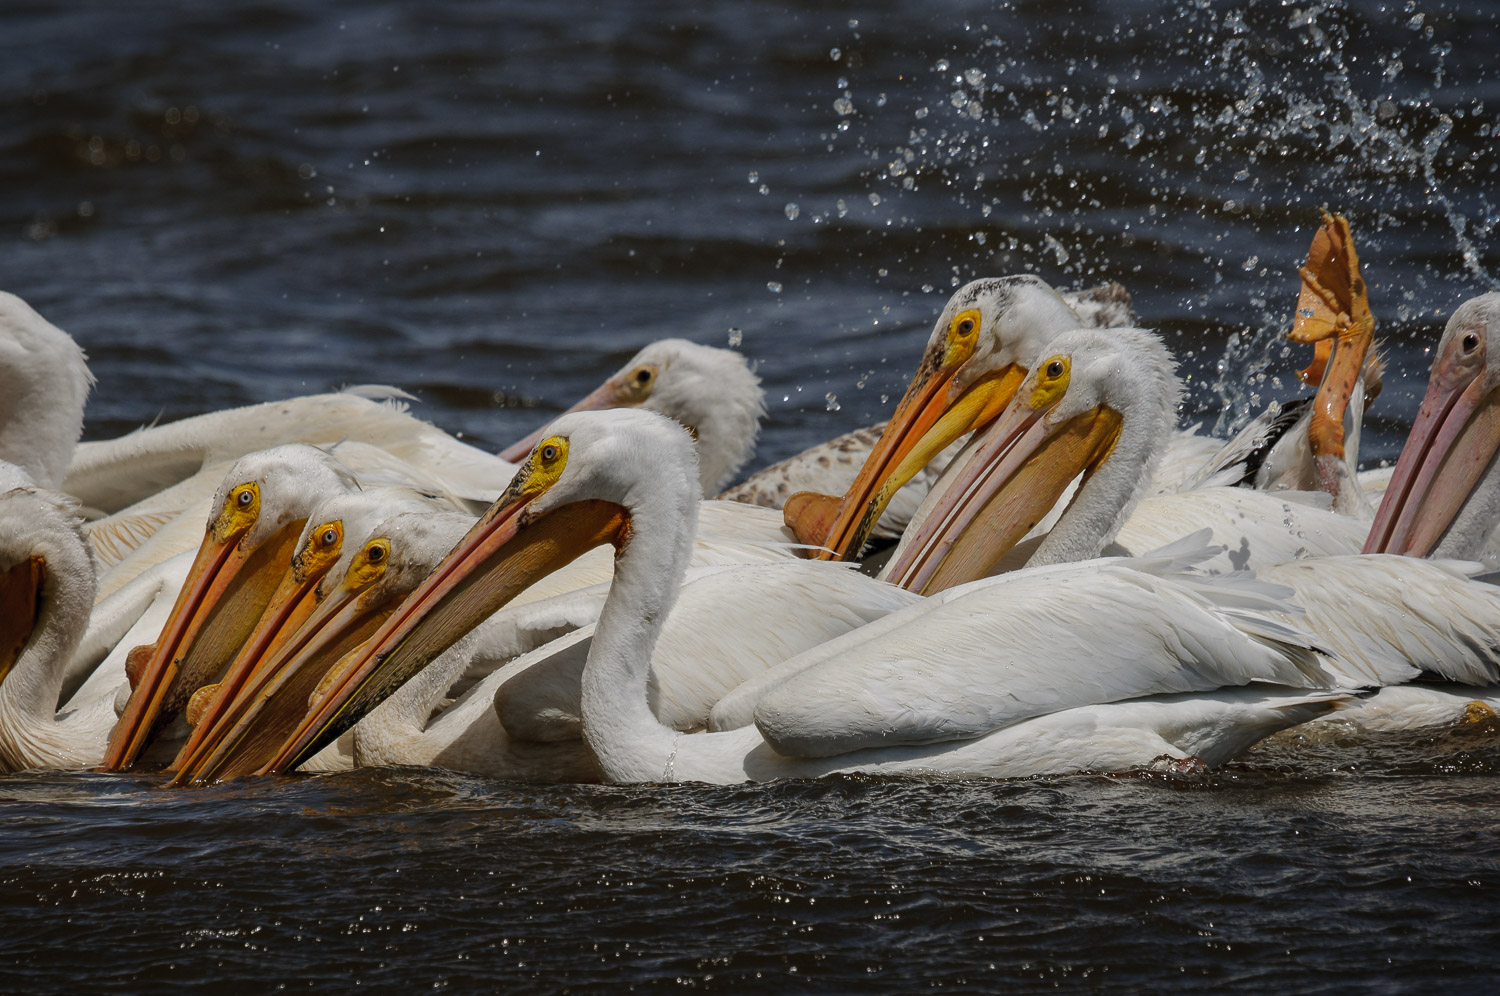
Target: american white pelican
629, 479
46, 590
711, 391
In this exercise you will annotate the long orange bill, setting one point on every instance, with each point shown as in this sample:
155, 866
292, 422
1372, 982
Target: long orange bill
1453, 440
226, 591
840, 526
1333, 314
1016, 471
290, 607
277, 694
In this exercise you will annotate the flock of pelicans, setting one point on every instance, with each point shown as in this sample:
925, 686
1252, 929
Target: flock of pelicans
1082, 585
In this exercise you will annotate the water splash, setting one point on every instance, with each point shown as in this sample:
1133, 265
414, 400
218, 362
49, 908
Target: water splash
1264, 116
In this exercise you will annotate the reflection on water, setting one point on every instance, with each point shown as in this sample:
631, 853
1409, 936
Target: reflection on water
493, 205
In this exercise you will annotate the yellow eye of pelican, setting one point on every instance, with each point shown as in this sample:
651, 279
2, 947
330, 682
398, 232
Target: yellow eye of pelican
329, 537
546, 465
244, 498
1051, 382
643, 375
966, 326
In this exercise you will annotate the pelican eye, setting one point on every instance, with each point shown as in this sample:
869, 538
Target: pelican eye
244, 498
375, 554
1055, 369
966, 326
643, 375
1471, 341
329, 537
549, 453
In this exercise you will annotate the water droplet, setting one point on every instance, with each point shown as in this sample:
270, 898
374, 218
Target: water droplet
833, 401
835, 54
792, 210
1250, 263
844, 106
874, 198
773, 286
735, 338
754, 176
974, 77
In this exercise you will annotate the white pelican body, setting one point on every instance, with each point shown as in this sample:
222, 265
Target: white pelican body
1211, 727
716, 638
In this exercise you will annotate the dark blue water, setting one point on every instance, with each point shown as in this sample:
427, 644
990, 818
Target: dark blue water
493, 205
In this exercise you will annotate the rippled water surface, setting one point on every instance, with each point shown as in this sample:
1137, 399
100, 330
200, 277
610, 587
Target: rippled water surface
493, 205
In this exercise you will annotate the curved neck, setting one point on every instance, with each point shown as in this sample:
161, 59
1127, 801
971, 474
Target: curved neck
40, 422
630, 743
1106, 499
28, 695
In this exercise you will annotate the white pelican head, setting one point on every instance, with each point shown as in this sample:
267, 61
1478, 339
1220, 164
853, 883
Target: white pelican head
710, 391
1443, 498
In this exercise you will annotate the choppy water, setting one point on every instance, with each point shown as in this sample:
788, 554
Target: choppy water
493, 205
